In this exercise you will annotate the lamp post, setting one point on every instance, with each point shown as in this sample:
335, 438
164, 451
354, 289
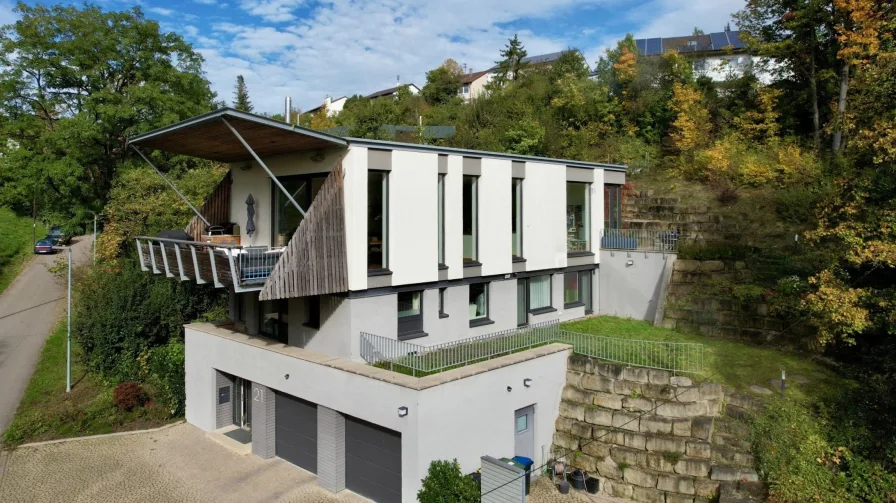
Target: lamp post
68, 339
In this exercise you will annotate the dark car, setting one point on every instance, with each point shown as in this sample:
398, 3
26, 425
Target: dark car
58, 236
43, 246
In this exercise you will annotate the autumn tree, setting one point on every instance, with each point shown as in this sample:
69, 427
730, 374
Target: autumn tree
241, 95
692, 126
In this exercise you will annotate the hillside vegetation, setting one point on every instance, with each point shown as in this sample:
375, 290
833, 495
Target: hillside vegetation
15, 246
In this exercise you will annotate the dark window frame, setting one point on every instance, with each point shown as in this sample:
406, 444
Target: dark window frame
586, 219
612, 206
282, 334
442, 313
276, 194
440, 187
410, 327
474, 219
581, 277
544, 309
384, 238
312, 312
484, 320
513, 221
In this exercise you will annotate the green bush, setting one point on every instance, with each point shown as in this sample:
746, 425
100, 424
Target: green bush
714, 251
444, 483
869, 481
166, 373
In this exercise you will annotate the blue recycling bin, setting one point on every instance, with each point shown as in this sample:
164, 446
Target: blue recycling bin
526, 463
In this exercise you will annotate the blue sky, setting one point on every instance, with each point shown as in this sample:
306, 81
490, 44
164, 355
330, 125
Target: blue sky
310, 49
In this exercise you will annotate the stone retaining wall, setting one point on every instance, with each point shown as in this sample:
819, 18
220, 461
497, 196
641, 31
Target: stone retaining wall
648, 435
642, 210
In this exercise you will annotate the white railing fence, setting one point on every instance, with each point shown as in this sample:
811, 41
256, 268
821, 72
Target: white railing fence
418, 360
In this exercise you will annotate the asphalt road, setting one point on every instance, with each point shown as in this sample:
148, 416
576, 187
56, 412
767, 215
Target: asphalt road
29, 309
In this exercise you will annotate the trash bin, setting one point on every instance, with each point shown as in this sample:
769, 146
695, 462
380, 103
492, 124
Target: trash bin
526, 464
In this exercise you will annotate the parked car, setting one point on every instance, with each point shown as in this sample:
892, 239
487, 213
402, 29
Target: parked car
44, 246
58, 236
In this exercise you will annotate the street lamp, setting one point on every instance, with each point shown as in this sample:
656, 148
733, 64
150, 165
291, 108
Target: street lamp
68, 341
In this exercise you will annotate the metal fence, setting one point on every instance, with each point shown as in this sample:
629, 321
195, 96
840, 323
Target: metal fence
417, 360
640, 240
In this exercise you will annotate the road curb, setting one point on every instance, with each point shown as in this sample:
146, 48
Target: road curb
94, 437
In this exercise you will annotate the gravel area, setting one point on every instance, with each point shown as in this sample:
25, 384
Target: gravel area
176, 464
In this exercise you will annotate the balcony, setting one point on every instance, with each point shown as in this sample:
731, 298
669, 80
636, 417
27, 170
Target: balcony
665, 241
244, 268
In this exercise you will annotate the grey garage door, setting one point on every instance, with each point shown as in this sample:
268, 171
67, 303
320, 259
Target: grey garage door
296, 431
372, 461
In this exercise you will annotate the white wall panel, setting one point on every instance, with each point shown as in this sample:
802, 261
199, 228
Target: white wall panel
495, 250
454, 218
544, 216
355, 168
413, 217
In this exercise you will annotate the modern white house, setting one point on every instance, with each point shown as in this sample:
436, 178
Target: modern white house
332, 106
334, 248
473, 83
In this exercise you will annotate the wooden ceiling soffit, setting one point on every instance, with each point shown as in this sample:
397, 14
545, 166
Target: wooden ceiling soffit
315, 261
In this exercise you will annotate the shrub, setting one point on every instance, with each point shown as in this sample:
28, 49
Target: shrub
128, 396
444, 483
715, 251
165, 372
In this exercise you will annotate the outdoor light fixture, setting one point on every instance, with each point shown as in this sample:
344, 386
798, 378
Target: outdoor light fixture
402, 411
286, 376
629, 262
527, 382
509, 389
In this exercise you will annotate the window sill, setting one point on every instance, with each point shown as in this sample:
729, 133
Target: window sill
442, 267
443, 315
580, 254
472, 263
518, 259
480, 322
412, 335
378, 272
542, 310
573, 304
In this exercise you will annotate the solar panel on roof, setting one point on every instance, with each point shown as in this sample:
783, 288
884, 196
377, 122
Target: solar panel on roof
654, 46
734, 38
641, 44
719, 40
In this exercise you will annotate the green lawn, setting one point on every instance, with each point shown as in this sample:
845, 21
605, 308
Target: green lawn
15, 247
47, 412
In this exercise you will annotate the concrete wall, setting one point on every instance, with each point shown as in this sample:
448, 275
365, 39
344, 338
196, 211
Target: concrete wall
544, 216
630, 290
495, 213
461, 418
413, 207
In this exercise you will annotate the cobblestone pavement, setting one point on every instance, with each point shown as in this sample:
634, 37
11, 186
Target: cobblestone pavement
542, 491
177, 464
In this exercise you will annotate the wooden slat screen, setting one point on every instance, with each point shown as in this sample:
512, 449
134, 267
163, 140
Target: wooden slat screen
215, 209
314, 262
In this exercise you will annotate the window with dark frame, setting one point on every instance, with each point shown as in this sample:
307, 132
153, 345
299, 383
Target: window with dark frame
577, 290
578, 217
312, 312
470, 219
304, 189
539, 294
441, 223
377, 220
516, 229
410, 313
478, 302
612, 206
442, 313
273, 320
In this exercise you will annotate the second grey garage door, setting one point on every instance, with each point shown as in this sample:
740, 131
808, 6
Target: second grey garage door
372, 461
296, 431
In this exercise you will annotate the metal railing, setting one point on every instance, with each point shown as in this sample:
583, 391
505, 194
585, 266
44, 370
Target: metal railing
640, 240
244, 267
417, 360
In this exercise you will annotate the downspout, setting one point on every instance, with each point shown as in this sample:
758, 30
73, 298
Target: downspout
207, 224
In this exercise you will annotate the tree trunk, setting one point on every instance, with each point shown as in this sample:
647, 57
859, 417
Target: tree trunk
841, 108
813, 92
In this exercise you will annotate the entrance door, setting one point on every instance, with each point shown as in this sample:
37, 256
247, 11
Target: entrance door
524, 428
242, 403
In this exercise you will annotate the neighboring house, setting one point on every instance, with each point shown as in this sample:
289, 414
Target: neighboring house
332, 106
473, 84
393, 91
715, 55
404, 241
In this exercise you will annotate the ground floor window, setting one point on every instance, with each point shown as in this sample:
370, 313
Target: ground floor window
577, 289
274, 319
539, 292
478, 302
410, 313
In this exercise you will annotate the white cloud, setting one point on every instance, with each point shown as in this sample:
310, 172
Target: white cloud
670, 18
161, 11
272, 10
206, 2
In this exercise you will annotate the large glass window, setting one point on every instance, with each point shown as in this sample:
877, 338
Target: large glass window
612, 206
539, 292
522, 302
377, 220
471, 219
577, 289
441, 223
578, 210
516, 229
286, 217
410, 312
273, 319
478, 301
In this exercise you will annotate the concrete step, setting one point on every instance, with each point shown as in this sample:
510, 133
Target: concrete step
728, 473
729, 441
732, 457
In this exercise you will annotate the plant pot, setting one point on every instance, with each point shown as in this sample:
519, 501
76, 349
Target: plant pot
563, 487
592, 485
577, 480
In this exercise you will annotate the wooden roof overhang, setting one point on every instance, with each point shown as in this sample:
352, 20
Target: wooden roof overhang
208, 137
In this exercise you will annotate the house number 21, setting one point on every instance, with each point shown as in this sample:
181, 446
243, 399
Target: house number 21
258, 394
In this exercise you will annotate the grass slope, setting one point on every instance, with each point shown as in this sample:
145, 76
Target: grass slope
15, 245
47, 412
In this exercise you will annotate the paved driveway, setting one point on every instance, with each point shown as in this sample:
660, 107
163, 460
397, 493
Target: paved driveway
176, 464
29, 309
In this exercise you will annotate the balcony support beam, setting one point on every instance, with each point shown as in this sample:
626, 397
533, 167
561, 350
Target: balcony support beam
152, 259
165, 260
180, 263
199, 280
211, 258
142, 258
264, 167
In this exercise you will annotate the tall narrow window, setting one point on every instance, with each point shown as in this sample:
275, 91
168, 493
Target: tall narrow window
471, 218
441, 211
612, 206
522, 302
377, 220
478, 302
273, 319
539, 292
577, 290
578, 212
410, 313
516, 229
585, 288
442, 313
286, 217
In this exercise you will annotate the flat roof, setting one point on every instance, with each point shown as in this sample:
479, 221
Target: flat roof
207, 137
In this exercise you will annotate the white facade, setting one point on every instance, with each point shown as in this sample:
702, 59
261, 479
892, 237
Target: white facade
723, 66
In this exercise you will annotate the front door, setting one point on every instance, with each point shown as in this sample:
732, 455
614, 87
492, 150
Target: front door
524, 428
242, 403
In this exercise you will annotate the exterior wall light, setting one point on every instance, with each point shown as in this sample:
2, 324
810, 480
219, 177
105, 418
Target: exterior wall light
286, 376
630, 262
402, 411
527, 382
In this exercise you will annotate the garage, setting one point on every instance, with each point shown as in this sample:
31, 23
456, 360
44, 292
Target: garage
296, 431
372, 461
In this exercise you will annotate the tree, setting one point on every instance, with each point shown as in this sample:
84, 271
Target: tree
692, 126
571, 62
241, 96
697, 31
75, 83
444, 483
443, 83
511, 65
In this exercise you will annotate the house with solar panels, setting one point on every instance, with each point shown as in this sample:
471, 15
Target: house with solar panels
715, 55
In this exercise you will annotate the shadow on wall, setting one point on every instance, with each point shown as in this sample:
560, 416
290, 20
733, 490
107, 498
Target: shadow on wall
631, 283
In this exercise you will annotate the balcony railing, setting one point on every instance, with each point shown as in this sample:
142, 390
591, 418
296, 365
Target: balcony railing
665, 241
417, 360
245, 268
